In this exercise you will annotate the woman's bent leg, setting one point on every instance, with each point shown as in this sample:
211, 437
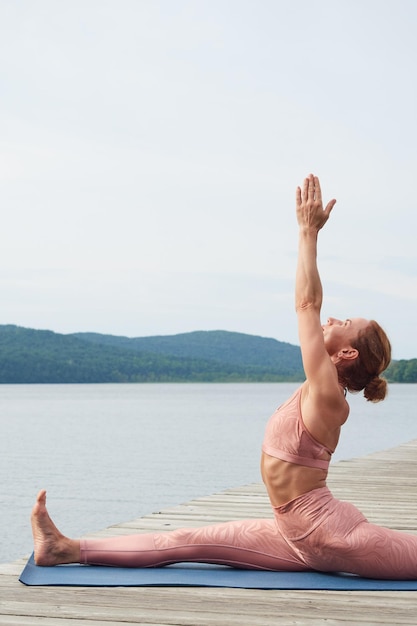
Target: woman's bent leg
246, 544
331, 535
376, 552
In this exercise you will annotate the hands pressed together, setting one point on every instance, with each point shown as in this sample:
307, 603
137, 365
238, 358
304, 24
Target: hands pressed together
309, 205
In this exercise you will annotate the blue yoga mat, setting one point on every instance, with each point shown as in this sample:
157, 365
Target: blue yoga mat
201, 575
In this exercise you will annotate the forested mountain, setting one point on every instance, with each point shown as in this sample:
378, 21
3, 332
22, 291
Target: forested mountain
41, 356
214, 345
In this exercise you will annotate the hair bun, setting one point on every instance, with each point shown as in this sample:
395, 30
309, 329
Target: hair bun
376, 389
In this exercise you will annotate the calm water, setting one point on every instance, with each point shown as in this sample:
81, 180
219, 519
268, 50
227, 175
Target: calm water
110, 453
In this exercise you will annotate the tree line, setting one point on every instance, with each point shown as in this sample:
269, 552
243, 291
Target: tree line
42, 356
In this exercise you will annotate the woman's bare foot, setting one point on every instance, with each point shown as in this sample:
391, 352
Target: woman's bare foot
50, 546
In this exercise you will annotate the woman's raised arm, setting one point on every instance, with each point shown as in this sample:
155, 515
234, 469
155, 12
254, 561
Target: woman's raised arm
311, 218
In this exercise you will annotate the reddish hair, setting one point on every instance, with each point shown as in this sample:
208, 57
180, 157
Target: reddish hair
374, 356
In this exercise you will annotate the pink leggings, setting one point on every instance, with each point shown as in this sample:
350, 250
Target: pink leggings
313, 532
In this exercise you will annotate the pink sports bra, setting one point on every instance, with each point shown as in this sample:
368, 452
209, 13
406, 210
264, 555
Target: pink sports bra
287, 438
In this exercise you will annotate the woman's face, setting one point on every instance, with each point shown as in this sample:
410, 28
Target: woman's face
339, 334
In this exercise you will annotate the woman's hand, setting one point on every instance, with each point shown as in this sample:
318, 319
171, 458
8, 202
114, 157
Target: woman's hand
309, 205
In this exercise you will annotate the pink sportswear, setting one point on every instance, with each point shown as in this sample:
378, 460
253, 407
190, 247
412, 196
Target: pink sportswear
315, 531
287, 438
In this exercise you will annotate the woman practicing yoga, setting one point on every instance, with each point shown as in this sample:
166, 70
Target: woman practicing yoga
310, 529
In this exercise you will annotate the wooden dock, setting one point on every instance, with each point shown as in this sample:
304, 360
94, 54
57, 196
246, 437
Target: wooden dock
382, 485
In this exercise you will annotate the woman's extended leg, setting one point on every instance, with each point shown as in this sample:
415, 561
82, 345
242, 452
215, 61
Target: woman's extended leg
249, 544
246, 544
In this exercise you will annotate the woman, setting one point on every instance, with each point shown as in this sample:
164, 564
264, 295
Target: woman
310, 529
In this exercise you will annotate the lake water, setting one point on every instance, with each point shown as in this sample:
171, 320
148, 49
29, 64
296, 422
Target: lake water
111, 453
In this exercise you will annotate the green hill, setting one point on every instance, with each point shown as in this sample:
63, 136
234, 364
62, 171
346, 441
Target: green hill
215, 345
42, 356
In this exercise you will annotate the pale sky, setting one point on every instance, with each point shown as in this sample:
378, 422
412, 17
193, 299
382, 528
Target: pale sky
150, 151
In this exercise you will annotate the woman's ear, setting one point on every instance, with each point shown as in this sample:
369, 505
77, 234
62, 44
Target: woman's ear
348, 354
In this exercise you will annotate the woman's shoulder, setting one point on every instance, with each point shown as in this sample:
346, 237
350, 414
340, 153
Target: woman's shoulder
325, 407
